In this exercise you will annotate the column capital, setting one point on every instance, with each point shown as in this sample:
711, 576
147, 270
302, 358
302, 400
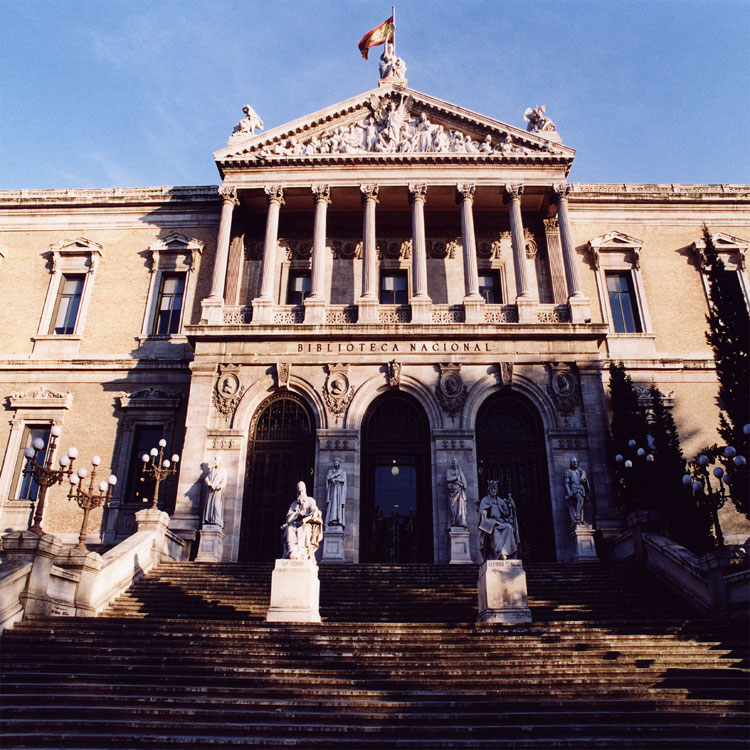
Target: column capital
369, 192
228, 194
274, 194
512, 192
561, 190
321, 193
417, 192
465, 193
551, 225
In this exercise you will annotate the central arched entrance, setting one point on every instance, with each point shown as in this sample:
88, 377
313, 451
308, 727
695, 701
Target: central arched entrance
281, 452
396, 514
511, 449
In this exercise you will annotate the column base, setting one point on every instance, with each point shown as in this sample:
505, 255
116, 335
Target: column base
367, 310
583, 542
473, 309
212, 311
502, 593
580, 309
262, 311
211, 543
315, 311
527, 309
333, 544
460, 549
421, 310
295, 592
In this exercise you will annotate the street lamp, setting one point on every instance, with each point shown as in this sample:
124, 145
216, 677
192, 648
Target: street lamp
91, 498
43, 473
631, 454
158, 467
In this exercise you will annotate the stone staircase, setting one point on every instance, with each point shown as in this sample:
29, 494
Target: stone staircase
184, 659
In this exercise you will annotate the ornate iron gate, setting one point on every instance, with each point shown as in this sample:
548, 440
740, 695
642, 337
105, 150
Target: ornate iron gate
281, 452
511, 449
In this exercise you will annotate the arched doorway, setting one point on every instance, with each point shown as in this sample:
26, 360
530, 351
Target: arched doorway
511, 449
396, 510
281, 452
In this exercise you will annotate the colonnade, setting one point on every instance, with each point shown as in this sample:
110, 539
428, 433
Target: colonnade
421, 304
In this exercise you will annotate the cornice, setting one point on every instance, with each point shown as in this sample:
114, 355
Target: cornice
666, 192
163, 195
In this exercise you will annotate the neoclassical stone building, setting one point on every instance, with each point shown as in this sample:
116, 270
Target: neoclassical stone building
393, 281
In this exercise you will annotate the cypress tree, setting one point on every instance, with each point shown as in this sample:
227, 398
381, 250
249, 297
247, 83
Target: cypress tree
729, 337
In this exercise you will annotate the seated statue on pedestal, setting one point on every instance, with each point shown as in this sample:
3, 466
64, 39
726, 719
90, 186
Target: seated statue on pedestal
303, 530
498, 525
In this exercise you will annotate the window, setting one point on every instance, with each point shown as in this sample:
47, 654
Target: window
300, 285
622, 302
140, 488
393, 288
24, 486
169, 304
489, 287
733, 253
68, 302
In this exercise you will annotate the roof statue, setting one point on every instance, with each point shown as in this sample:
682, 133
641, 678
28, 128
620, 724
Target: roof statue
538, 121
246, 126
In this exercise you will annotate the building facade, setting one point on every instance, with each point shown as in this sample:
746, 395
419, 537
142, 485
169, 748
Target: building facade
394, 282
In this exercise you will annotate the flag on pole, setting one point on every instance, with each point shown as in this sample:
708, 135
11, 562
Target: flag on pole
378, 35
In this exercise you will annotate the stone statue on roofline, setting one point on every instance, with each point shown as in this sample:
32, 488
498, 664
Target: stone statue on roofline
538, 122
391, 67
247, 125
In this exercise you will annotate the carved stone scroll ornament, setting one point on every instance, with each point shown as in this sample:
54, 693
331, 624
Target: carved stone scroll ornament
563, 388
505, 374
393, 373
282, 374
450, 390
338, 391
228, 390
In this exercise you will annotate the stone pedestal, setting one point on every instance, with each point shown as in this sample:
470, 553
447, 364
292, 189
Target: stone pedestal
152, 519
527, 310
580, 310
315, 311
421, 310
295, 592
473, 310
584, 549
333, 544
212, 311
211, 544
460, 550
502, 592
262, 311
367, 310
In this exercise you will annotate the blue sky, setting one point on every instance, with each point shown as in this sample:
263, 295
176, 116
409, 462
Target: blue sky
99, 93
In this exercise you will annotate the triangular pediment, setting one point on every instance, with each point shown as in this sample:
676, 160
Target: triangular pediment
615, 241
392, 123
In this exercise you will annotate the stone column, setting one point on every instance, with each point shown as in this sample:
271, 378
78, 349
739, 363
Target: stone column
368, 302
524, 298
315, 304
473, 301
421, 304
212, 306
263, 304
580, 308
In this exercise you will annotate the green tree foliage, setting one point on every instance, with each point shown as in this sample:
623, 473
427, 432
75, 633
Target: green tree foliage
729, 336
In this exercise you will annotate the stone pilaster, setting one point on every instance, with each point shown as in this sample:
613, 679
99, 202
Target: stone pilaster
556, 265
263, 304
315, 304
368, 302
473, 302
212, 306
421, 304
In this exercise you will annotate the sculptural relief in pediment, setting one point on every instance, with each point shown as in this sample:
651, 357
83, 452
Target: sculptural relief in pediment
395, 123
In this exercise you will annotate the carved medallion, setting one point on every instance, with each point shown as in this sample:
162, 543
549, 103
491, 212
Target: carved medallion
563, 388
346, 249
338, 391
228, 390
450, 389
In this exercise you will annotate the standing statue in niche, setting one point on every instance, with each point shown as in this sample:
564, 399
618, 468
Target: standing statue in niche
455, 483
216, 482
576, 491
302, 531
336, 483
498, 525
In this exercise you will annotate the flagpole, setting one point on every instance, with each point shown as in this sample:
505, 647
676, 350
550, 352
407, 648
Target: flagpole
393, 16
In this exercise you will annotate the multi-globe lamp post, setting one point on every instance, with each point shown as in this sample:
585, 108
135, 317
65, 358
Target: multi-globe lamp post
715, 496
158, 467
90, 498
639, 455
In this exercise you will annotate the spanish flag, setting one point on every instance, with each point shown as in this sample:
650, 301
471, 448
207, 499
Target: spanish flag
378, 35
